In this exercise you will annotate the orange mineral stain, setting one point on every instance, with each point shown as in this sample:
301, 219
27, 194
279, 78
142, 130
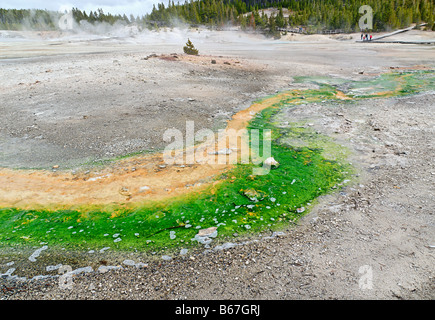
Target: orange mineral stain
118, 183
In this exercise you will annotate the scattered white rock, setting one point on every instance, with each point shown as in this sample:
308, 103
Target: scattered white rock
207, 232
104, 269
52, 268
131, 263
144, 188
40, 277
275, 234
270, 162
81, 270
202, 240
204, 235
300, 210
99, 177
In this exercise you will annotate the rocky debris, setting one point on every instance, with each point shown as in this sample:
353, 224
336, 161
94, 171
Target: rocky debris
204, 236
172, 57
124, 191
207, 232
374, 124
104, 269
153, 55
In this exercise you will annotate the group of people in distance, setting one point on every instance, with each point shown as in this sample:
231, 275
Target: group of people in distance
366, 37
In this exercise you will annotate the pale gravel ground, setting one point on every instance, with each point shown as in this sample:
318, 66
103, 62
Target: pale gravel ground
384, 220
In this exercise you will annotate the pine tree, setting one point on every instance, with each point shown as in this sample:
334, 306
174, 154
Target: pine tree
279, 20
189, 48
272, 27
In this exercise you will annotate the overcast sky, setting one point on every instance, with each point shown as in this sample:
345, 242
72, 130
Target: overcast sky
135, 7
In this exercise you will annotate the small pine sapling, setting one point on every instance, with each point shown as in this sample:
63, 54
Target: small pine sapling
189, 48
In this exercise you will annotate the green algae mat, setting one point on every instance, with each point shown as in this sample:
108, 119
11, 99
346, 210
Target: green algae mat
239, 202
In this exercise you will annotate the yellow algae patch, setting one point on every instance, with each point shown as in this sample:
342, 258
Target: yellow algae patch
342, 96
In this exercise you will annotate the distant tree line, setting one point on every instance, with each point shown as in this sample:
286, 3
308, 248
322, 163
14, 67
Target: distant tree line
100, 16
21, 19
24, 19
311, 15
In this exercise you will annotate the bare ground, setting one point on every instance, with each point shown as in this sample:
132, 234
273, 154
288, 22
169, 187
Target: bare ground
380, 228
